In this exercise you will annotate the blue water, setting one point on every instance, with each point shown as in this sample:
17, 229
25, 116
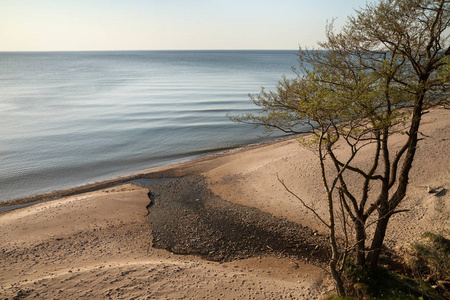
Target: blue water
71, 118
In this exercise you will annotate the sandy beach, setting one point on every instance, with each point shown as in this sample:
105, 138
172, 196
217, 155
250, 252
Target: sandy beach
222, 228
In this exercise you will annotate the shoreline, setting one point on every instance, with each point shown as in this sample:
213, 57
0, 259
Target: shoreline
194, 166
231, 231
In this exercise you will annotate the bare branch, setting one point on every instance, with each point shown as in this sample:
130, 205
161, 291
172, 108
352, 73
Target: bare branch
303, 202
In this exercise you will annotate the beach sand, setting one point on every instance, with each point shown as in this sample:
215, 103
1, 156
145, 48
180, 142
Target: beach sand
226, 230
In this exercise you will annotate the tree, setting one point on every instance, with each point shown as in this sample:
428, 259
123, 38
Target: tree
386, 67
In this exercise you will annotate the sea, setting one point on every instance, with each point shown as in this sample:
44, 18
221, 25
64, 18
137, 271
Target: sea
72, 118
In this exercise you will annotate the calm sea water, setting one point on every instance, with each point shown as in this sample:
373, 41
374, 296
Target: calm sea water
71, 118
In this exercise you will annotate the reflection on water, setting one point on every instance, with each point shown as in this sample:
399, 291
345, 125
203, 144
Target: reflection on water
71, 118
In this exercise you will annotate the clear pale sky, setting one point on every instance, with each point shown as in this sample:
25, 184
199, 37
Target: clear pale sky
56, 25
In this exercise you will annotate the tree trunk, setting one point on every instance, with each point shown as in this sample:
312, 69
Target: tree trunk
337, 278
360, 244
334, 260
377, 242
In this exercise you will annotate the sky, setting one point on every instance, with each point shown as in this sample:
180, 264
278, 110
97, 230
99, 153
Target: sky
75, 25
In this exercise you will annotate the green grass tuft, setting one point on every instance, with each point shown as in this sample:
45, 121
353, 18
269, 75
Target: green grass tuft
388, 285
431, 257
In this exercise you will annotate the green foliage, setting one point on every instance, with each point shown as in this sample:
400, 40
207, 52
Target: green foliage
444, 73
367, 74
431, 257
384, 284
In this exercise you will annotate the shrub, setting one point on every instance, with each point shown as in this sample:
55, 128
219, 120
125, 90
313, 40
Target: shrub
429, 260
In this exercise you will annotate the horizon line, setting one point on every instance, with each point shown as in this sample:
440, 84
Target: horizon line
142, 50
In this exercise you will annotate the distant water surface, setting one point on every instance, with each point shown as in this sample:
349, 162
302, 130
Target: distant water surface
71, 118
